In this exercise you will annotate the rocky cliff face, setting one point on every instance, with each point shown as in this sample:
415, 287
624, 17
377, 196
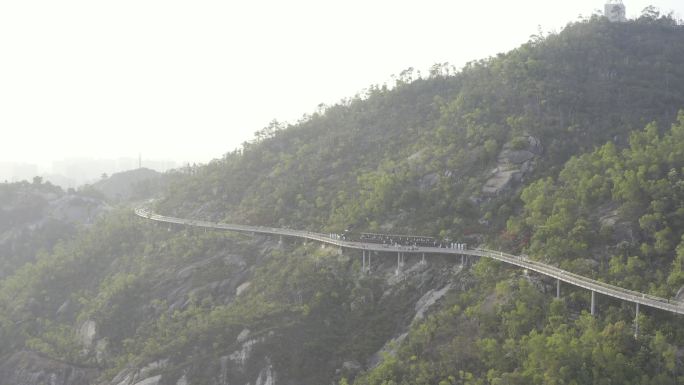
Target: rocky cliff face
28, 368
255, 356
252, 360
517, 159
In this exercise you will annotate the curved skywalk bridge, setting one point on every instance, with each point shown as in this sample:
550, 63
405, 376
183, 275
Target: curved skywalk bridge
551, 271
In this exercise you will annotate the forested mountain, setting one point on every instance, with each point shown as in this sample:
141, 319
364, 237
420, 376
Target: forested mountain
34, 216
569, 149
138, 184
415, 157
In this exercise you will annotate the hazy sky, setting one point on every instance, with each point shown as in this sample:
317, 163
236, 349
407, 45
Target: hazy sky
191, 80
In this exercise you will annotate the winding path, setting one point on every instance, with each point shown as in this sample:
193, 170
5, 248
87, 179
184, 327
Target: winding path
541, 268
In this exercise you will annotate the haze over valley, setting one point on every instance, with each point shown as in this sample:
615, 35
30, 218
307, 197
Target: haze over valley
75, 172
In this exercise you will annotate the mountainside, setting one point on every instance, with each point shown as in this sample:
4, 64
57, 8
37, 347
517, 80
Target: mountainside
415, 157
35, 216
568, 149
138, 184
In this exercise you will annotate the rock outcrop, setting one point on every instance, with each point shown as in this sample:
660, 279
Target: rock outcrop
517, 159
27, 368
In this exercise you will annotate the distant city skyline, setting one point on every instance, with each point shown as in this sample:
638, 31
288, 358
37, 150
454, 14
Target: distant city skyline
191, 81
75, 172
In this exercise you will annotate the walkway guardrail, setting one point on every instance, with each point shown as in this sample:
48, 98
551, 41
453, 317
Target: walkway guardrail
516, 260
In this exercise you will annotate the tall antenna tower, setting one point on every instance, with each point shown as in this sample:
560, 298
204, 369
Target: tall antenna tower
614, 10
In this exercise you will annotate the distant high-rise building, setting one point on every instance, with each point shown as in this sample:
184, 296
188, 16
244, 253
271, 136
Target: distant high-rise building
615, 11
17, 171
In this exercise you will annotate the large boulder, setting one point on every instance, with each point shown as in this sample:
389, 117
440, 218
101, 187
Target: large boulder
516, 159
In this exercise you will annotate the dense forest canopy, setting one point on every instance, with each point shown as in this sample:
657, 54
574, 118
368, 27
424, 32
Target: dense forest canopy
416, 156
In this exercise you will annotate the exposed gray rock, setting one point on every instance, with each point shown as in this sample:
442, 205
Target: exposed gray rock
144, 376
500, 181
244, 286
242, 337
27, 368
390, 348
680, 294
64, 308
241, 356
267, 376
515, 156
427, 300
124, 377
512, 165
152, 367
150, 381
415, 157
86, 333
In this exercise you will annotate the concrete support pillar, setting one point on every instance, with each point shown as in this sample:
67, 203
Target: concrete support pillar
593, 302
363, 261
366, 262
636, 321
462, 259
423, 259
400, 263
557, 288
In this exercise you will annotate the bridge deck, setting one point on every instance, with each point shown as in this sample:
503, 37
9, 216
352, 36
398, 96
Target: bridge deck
539, 267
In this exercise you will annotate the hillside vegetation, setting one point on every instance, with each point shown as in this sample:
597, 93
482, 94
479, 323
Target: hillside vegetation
415, 158
35, 216
569, 149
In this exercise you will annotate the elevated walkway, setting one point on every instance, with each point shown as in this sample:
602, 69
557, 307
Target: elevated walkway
516, 260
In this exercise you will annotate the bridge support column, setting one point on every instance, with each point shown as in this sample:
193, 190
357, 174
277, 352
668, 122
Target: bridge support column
557, 288
422, 261
280, 240
462, 260
366, 266
593, 302
363, 261
636, 322
400, 263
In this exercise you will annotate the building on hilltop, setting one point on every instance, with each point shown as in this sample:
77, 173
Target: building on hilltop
615, 11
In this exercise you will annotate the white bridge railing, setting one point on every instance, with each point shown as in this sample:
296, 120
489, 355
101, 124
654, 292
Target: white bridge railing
539, 267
